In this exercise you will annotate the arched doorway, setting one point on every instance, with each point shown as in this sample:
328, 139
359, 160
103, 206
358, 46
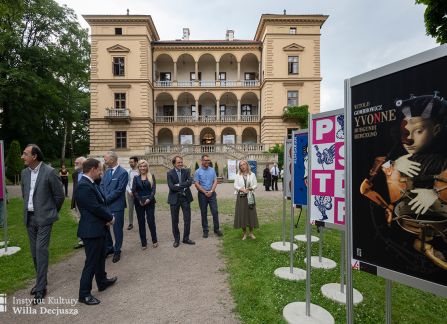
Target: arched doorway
207, 136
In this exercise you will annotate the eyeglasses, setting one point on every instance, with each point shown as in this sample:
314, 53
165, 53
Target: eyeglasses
206, 160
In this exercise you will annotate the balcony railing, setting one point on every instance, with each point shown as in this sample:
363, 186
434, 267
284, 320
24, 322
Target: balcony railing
118, 114
208, 119
217, 148
207, 83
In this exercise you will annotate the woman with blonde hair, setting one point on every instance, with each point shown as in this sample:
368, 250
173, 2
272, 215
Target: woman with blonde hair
245, 214
143, 190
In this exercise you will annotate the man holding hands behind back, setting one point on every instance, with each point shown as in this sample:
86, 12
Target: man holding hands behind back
206, 182
179, 181
92, 229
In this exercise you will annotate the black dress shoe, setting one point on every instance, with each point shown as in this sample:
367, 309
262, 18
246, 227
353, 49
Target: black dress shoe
116, 257
176, 244
188, 241
129, 227
218, 233
33, 291
89, 300
205, 235
107, 283
39, 296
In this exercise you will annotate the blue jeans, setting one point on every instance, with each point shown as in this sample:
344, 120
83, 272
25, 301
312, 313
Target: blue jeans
204, 201
149, 210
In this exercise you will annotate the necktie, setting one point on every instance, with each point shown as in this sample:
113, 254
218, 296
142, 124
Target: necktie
179, 174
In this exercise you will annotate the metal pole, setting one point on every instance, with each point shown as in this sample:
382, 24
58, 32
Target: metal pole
348, 215
5, 211
388, 301
342, 262
292, 214
320, 252
284, 197
308, 225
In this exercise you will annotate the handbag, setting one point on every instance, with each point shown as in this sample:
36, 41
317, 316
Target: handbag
144, 198
251, 199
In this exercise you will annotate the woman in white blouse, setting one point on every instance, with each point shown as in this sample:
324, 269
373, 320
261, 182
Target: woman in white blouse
245, 214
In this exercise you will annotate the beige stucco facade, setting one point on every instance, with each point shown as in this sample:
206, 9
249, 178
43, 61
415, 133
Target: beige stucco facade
150, 96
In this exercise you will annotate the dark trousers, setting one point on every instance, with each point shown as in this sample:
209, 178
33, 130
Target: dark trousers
204, 201
95, 265
149, 211
275, 183
65, 183
117, 231
175, 210
39, 240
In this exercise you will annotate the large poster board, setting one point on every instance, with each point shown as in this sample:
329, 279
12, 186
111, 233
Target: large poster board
288, 165
186, 139
398, 192
328, 168
232, 169
300, 166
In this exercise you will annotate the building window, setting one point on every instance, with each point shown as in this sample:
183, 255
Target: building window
118, 66
193, 111
222, 110
246, 110
293, 65
120, 101
222, 76
192, 76
292, 30
121, 140
165, 76
292, 98
118, 31
249, 76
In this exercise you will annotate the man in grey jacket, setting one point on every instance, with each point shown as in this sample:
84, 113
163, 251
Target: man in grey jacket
43, 196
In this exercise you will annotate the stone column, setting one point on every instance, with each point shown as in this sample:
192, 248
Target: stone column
238, 110
175, 110
259, 108
238, 71
197, 72
175, 72
218, 110
217, 75
197, 109
260, 72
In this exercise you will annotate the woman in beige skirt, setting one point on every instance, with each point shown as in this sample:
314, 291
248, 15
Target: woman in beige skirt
245, 215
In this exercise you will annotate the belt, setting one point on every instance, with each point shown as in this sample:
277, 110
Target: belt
30, 212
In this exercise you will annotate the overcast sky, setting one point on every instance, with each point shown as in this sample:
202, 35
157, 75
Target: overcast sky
359, 35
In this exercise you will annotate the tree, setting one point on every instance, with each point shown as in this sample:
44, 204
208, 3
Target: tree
13, 162
299, 114
435, 17
196, 166
216, 168
279, 149
44, 67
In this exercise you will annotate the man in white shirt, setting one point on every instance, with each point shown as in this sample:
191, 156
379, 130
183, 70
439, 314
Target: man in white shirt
275, 175
132, 172
43, 196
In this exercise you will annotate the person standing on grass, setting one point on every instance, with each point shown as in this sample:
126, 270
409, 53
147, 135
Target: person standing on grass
143, 192
206, 182
63, 174
245, 214
275, 175
76, 176
267, 178
132, 172
43, 197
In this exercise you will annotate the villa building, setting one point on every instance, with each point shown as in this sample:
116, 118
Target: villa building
157, 98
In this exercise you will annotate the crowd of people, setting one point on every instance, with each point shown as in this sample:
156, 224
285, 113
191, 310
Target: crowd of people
99, 198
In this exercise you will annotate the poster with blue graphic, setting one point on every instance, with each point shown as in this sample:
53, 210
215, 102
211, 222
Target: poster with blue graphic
300, 166
253, 166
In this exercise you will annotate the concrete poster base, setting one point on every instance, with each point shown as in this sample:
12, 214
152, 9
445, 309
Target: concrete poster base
284, 273
283, 247
295, 313
333, 292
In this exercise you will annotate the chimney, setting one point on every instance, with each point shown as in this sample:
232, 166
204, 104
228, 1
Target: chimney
230, 35
185, 34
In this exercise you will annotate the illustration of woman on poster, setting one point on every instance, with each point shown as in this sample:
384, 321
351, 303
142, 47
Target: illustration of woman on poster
416, 175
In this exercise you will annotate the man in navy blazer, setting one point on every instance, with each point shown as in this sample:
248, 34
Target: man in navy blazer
179, 181
113, 186
92, 229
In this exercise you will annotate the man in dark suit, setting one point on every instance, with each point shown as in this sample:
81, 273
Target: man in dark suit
76, 176
95, 217
113, 186
43, 196
179, 181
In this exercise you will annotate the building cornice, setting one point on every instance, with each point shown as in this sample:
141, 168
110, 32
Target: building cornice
299, 20
200, 46
113, 20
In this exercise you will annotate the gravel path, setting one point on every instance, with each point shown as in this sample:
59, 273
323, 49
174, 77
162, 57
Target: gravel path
161, 285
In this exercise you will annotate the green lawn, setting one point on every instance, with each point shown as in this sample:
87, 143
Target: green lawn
260, 296
17, 269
